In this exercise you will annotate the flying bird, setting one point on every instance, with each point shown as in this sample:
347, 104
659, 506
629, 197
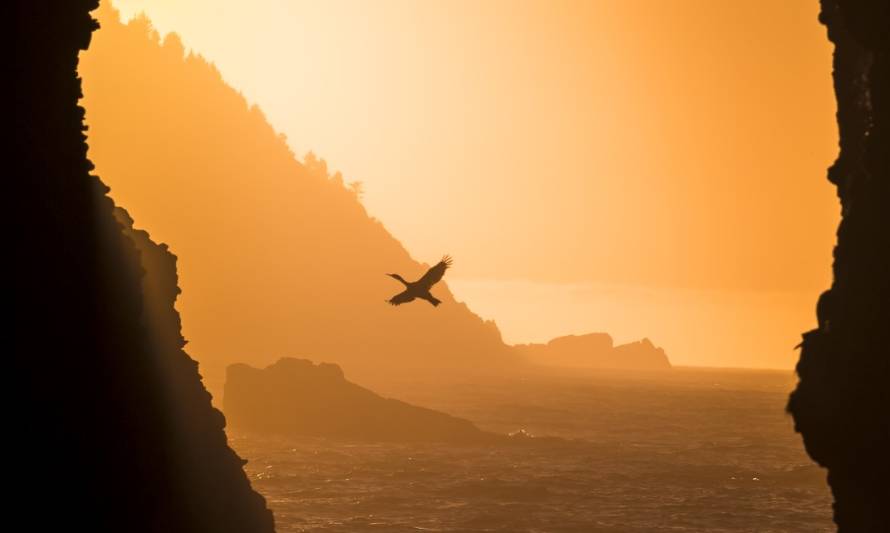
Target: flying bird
421, 288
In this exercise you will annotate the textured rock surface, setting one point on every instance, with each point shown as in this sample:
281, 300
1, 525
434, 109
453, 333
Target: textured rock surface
296, 396
595, 350
841, 405
117, 432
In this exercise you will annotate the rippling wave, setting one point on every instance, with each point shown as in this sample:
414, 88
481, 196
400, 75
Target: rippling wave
696, 451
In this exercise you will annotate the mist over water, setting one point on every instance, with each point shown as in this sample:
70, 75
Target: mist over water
694, 450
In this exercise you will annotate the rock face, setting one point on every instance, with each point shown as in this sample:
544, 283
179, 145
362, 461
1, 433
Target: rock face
298, 397
159, 286
841, 405
117, 430
595, 350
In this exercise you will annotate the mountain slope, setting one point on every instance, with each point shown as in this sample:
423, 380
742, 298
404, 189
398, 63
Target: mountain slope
276, 257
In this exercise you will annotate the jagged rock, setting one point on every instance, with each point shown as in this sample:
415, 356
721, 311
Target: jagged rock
841, 404
116, 432
595, 350
296, 396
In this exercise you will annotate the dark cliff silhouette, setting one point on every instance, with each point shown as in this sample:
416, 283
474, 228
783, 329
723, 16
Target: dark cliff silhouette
841, 404
159, 286
276, 255
296, 396
596, 350
421, 288
114, 430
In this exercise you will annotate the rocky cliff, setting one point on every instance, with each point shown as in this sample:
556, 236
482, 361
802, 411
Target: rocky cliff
841, 405
115, 431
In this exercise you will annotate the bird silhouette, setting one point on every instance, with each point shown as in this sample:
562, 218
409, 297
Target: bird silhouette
421, 288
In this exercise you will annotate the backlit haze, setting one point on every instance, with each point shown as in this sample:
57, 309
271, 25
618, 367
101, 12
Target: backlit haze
647, 169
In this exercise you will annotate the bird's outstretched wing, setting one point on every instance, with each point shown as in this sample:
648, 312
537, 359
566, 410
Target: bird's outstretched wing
400, 298
431, 299
434, 274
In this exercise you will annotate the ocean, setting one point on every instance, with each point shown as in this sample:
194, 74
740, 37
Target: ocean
686, 450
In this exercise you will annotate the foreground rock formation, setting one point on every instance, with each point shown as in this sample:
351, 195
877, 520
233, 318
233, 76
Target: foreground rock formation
298, 397
115, 431
842, 403
596, 350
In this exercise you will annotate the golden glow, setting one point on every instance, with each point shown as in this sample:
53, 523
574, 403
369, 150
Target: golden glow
662, 148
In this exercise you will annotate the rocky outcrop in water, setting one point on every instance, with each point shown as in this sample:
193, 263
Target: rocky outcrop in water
841, 405
596, 350
298, 397
115, 431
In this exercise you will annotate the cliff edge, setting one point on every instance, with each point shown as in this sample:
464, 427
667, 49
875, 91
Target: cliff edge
117, 431
841, 405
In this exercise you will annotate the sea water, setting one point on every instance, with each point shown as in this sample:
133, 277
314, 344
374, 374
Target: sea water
687, 450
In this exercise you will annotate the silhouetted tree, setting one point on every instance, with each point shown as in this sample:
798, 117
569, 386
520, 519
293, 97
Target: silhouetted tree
357, 188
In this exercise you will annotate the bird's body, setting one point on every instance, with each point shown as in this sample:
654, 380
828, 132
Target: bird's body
421, 288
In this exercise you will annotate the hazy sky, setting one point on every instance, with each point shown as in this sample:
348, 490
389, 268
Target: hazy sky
670, 148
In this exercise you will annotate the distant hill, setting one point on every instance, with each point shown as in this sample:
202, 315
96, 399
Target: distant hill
595, 350
276, 256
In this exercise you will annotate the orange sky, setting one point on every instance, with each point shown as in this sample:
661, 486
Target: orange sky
647, 168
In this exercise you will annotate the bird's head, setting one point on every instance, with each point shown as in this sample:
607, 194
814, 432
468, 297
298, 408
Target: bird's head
398, 277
